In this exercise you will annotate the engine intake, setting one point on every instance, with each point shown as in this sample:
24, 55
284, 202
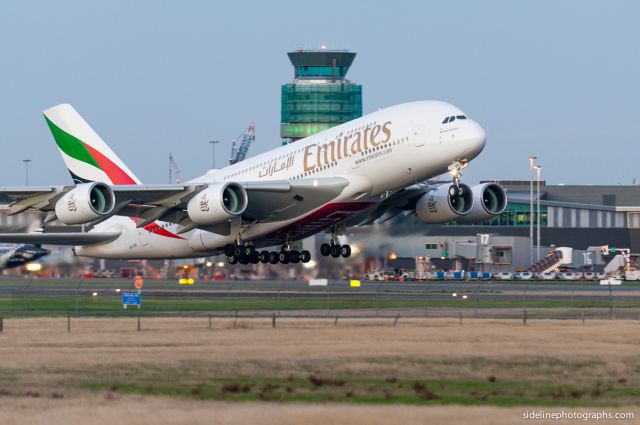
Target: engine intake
445, 202
216, 203
489, 200
85, 203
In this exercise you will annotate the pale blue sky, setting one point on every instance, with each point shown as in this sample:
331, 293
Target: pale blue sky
556, 79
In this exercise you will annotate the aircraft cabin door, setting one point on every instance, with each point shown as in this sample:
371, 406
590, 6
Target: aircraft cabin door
419, 135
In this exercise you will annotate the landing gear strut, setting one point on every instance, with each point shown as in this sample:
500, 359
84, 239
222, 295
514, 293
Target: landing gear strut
455, 170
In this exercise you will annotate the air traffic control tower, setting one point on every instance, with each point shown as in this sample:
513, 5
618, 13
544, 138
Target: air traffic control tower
320, 96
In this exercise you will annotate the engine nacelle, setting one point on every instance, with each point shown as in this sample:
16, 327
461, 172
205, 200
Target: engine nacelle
444, 203
85, 203
216, 203
489, 200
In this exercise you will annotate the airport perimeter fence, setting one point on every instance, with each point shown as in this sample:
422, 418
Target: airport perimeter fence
292, 299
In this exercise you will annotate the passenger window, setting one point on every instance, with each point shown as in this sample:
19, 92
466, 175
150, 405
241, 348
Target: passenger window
461, 117
446, 120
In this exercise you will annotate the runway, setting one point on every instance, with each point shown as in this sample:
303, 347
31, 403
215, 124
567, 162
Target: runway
415, 290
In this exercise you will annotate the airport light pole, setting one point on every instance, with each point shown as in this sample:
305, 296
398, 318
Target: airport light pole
26, 171
213, 152
538, 168
531, 159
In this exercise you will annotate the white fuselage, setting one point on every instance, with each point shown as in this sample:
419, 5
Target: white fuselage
378, 153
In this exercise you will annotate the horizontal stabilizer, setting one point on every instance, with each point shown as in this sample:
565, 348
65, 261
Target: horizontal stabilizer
55, 238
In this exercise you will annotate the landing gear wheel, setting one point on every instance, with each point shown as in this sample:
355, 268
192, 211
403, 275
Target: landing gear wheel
232, 259
284, 257
255, 257
273, 257
335, 251
244, 259
305, 256
264, 257
295, 256
325, 249
238, 250
248, 250
345, 251
228, 250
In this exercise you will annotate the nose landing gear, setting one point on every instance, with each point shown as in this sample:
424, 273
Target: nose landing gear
455, 170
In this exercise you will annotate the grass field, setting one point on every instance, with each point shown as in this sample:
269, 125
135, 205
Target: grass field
485, 371
110, 306
75, 298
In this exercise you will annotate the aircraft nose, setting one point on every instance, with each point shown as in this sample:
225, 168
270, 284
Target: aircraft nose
474, 139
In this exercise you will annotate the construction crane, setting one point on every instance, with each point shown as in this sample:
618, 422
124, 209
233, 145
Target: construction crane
239, 153
173, 169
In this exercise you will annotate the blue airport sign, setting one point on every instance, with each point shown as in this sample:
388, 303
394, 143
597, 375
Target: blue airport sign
131, 299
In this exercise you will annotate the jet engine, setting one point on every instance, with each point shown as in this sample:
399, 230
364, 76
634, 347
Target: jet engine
216, 203
445, 202
489, 200
85, 203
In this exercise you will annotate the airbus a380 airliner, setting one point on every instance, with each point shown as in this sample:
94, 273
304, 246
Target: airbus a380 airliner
362, 171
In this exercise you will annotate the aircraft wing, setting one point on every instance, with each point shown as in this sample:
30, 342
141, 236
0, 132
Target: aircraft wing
276, 201
272, 200
12, 194
268, 201
55, 238
402, 201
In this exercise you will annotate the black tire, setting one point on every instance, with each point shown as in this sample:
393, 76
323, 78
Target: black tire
248, 250
237, 250
335, 251
244, 259
264, 257
345, 251
294, 256
232, 259
305, 256
228, 250
273, 257
284, 257
255, 258
325, 249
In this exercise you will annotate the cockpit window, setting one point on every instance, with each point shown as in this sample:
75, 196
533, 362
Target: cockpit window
453, 118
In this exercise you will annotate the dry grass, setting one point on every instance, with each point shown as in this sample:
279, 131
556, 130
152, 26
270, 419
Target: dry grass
134, 410
44, 369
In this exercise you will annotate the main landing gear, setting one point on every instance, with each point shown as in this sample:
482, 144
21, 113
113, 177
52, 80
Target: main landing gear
245, 254
335, 250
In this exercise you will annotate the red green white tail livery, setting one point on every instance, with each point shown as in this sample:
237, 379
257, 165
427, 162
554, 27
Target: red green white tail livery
85, 154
